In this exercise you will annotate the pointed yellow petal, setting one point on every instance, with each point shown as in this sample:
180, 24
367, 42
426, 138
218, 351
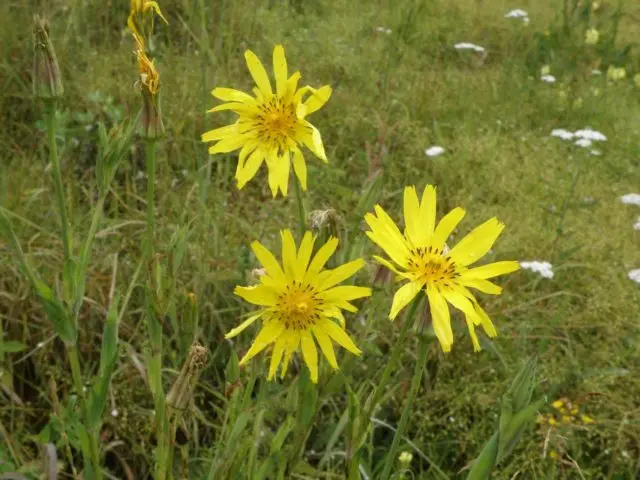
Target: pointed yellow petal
276, 355
471, 315
293, 340
258, 73
448, 223
300, 167
311, 138
321, 257
428, 212
250, 168
484, 286
231, 95
280, 69
257, 294
387, 264
219, 133
403, 296
292, 85
317, 99
289, 254
310, 354
249, 321
338, 335
149, 4
282, 172
228, 144
335, 312
304, 254
268, 261
487, 325
441, 318
329, 278
326, 346
246, 150
269, 334
385, 233
414, 225
345, 292
491, 270
235, 106
477, 243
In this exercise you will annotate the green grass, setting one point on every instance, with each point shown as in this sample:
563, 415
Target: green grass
394, 95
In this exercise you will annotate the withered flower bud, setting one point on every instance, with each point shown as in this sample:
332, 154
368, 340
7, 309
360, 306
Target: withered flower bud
47, 81
182, 390
326, 223
151, 125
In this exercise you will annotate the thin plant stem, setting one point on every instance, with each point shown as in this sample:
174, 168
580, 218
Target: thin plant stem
408, 407
151, 179
302, 217
57, 178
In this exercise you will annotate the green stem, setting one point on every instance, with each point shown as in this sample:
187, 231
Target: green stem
57, 178
408, 407
151, 179
302, 217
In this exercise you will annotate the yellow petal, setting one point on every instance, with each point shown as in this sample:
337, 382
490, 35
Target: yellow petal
245, 324
491, 270
228, 144
269, 334
282, 172
317, 99
231, 95
471, 316
345, 292
258, 73
257, 294
280, 69
484, 286
326, 346
387, 264
313, 141
292, 85
339, 274
477, 243
155, 7
246, 149
428, 211
289, 254
385, 233
321, 257
293, 340
235, 106
304, 255
310, 354
335, 312
300, 167
448, 223
249, 169
414, 225
222, 132
403, 296
487, 325
441, 318
268, 261
276, 356
338, 335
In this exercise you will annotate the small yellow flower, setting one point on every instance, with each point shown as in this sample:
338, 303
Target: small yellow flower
557, 404
616, 73
587, 419
552, 421
300, 303
138, 9
566, 419
405, 457
271, 126
420, 256
545, 70
553, 454
591, 36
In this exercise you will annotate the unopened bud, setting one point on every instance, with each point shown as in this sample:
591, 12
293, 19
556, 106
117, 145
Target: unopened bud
326, 223
47, 81
182, 390
151, 125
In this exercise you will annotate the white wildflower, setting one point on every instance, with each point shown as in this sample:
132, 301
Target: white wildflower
383, 30
468, 46
548, 78
583, 142
543, 268
434, 151
591, 134
635, 275
631, 199
562, 133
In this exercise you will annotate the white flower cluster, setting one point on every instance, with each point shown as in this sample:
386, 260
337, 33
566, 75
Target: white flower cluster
468, 46
434, 151
583, 138
548, 78
543, 268
635, 275
518, 14
631, 199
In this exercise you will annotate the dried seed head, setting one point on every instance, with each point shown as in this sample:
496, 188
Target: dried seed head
47, 81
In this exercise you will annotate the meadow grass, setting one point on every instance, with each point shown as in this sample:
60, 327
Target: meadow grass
395, 94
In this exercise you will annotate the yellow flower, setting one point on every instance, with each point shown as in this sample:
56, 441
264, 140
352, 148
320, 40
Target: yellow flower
557, 404
300, 302
139, 8
616, 73
587, 419
271, 126
149, 77
422, 257
545, 70
591, 37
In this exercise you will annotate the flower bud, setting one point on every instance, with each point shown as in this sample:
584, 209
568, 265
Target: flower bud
151, 125
47, 81
182, 390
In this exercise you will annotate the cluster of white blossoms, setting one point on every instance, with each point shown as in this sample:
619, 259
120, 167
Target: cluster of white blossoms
631, 199
518, 14
434, 151
635, 275
582, 138
468, 46
545, 269
548, 78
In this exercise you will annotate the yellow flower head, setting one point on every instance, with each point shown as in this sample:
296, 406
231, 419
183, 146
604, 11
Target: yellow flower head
421, 256
591, 37
138, 10
616, 73
300, 302
271, 126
